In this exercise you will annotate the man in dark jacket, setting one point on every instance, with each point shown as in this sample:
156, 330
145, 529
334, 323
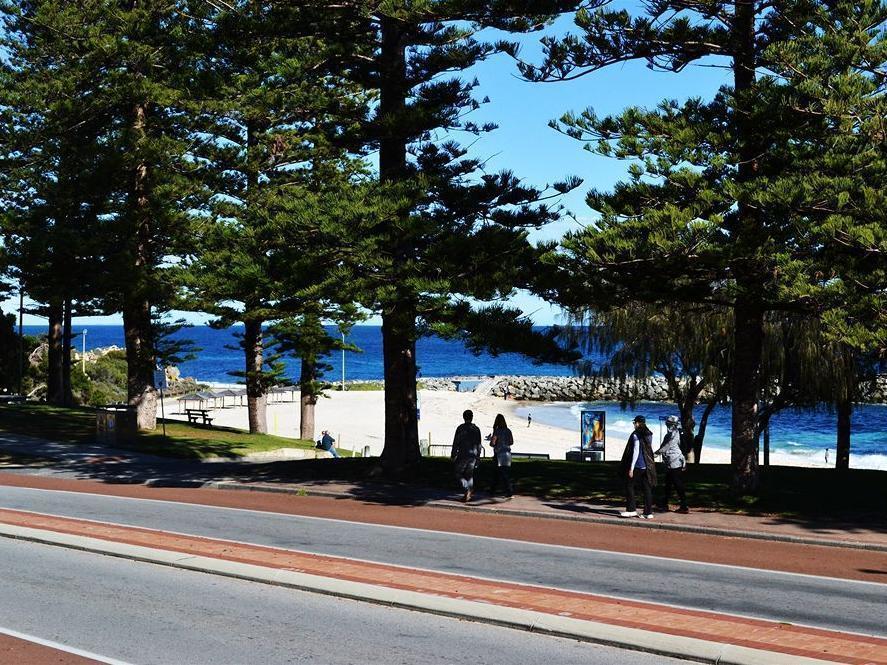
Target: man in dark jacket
638, 466
466, 452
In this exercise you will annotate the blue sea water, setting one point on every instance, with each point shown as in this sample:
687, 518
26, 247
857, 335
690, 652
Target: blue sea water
805, 433
801, 434
437, 357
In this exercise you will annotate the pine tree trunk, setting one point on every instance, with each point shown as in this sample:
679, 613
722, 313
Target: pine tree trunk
766, 434
401, 449
67, 395
54, 390
140, 362
700, 435
748, 313
307, 399
256, 398
686, 408
842, 447
748, 343
688, 428
137, 327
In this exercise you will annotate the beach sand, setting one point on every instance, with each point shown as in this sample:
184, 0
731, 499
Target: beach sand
356, 419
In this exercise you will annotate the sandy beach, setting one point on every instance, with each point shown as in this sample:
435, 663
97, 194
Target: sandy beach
356, 419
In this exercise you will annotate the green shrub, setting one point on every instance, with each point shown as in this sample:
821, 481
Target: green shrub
104, 382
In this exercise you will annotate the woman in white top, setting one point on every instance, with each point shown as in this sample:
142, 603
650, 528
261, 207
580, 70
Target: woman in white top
502, 440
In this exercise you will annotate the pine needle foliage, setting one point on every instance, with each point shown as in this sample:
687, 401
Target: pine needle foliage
444, 230
768, 197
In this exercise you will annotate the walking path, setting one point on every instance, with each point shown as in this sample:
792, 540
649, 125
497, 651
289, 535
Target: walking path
763, 527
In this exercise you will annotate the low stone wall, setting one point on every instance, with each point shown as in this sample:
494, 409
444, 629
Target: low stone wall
576, 389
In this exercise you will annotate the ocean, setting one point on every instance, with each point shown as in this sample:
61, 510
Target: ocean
437, 357
804, 433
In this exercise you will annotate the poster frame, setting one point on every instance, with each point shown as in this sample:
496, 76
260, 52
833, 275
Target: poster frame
587, 440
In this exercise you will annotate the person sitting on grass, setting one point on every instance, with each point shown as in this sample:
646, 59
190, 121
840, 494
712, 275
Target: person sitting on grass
326, 443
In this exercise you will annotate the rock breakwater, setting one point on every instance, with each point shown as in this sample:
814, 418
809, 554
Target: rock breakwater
578, 389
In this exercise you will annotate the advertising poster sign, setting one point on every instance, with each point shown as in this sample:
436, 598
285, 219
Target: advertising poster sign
593, 434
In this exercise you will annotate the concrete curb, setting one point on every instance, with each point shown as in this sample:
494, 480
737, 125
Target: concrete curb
531, 621
610, 521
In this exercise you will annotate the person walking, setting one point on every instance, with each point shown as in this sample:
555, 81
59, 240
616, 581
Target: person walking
326, 443
501, 441
675, 465
638, 467
466, 452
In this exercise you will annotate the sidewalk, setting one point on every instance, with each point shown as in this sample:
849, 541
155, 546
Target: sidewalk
126, 466
700, 635
771, 528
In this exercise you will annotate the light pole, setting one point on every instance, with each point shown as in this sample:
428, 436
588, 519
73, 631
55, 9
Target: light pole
83, 355
21, 337
343, 362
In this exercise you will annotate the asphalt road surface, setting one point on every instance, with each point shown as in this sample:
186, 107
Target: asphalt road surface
843, 605
143, 614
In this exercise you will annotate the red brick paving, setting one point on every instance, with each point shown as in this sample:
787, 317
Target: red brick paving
740, 631
17, 651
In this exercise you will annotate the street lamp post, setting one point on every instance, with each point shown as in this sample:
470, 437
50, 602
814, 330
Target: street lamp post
21, 337
343, 362
83, 355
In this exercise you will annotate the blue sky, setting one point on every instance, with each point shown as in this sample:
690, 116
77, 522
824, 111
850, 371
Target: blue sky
526, 145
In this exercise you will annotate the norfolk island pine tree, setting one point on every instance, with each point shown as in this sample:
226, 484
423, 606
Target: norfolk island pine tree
55, 169
129, 52
442, 231
274, 133
716, 210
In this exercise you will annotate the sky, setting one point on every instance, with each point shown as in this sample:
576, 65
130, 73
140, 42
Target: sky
536, 153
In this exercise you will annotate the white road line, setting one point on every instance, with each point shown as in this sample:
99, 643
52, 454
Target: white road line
61, 647
534, 544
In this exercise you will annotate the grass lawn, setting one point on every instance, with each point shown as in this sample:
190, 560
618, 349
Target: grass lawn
12, 460
365, 386
77, 425
790, 492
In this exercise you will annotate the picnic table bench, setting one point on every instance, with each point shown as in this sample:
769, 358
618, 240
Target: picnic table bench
530, 455
202, 415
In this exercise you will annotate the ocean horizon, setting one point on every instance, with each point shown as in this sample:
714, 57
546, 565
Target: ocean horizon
436, 357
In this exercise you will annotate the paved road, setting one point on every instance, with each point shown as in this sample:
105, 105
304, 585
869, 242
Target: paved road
828, 603
142, 613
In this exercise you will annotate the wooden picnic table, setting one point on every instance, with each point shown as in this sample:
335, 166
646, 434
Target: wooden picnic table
195, 415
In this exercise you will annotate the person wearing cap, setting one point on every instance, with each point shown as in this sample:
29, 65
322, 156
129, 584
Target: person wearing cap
638, 467
675, 465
